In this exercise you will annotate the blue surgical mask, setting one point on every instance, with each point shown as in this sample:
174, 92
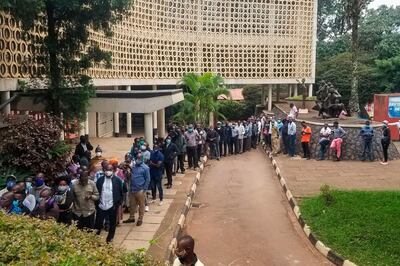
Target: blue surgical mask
28, 186
10, 184
39, 182
168, 141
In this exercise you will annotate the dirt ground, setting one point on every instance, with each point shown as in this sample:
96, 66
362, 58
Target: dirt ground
244, 218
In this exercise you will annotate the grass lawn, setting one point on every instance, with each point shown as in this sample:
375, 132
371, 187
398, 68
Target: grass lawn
362, 226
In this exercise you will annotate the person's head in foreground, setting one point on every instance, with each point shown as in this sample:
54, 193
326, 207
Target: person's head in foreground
185, 252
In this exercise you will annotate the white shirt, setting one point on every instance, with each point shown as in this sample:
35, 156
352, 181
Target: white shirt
293, 111
325, 133
178, 263
241, 131
106, 197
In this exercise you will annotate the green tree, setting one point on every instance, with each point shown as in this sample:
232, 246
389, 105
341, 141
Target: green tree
388, 71
201, 93
67, 52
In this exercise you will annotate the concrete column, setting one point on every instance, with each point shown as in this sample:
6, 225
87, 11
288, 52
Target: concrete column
310, 90
277, 91
87, 125
5, 96
263, 96
290, 90
155, 120
161, 123
270, 97
128, 119
116, 120
148, 128
295, 90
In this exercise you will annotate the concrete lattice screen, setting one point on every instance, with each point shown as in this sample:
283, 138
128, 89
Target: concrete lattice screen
245, 41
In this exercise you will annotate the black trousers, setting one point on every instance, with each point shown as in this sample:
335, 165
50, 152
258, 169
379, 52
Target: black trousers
222, 148
168, 170
233, 145
385, 147
192, 156
65, 217
254, 141
181, 162
306, 149
85, 222
112, 216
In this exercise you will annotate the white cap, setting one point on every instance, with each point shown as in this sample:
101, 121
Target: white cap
385, 122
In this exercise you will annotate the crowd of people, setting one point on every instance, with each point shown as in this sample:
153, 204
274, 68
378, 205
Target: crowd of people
94, 192
280, 136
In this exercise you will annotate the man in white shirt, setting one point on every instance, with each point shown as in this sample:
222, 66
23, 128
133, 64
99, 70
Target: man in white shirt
293, 111
241, 132
324, 140
185, 252
110, 189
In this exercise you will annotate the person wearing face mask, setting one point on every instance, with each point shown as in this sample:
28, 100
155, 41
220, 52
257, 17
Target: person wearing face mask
111, 193
192, 138
38, 186
63, 198
385, 141
140, 181
28, 184
185, 253
170, 153
47, 205
145, 154
10, 183
338, 135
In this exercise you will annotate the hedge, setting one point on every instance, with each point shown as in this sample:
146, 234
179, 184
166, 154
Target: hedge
30, 241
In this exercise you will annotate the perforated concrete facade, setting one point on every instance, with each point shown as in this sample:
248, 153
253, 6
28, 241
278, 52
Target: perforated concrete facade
247, 42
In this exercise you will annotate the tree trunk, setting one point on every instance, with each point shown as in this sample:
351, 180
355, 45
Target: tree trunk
354, 105
54, 69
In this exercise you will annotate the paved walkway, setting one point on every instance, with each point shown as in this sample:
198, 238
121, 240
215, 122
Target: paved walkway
244, 218
130, 236
305, 177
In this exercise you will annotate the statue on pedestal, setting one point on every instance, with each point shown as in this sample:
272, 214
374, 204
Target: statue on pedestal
328, 101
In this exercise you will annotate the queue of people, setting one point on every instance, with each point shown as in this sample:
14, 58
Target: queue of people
280, 136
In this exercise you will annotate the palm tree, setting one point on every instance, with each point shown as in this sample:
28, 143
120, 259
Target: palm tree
201, 97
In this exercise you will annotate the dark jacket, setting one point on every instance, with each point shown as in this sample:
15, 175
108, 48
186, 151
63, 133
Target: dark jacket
117, 187
386, 138
170, 152
80, 151
221, 133
180, 143
227, 133
212, 136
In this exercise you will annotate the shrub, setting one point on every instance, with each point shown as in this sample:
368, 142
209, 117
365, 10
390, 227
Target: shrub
34, 145
30, 241
327, 195
300, 98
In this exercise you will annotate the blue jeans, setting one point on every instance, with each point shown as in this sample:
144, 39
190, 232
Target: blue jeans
324, 144
155, 183
292, 145
367, 150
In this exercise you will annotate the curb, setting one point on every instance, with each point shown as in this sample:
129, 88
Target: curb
328, 253
185, 210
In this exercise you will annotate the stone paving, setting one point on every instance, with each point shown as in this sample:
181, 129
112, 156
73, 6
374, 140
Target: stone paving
130, 236
305, 177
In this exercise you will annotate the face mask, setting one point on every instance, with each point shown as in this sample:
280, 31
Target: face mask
28, 185
138, 162
10, 184
143, 148
62, 188
168, 141
141, 142
384, 126
108, 173
39, 182
190, 129
98, 154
